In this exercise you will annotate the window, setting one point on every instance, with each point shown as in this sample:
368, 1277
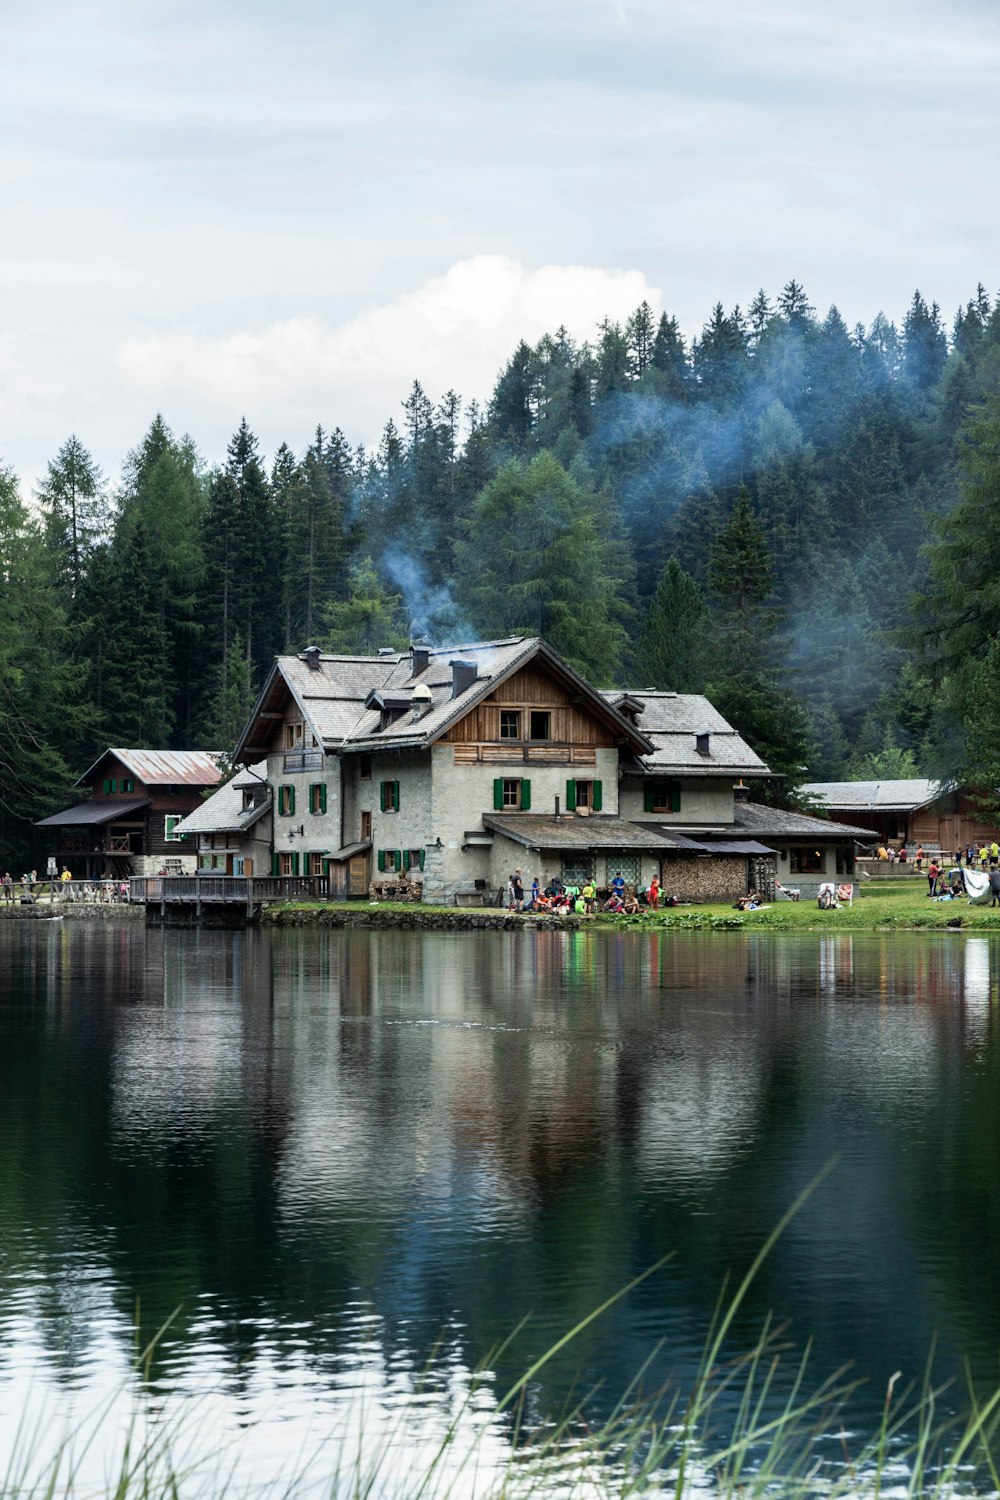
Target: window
389, 859
577, 869
366, 825
389, 796
110, 785
662, 796
807, 862
627, 865
365, 767
541, 724
287, 863
128, 784
588, 794
317, 797
293, 736
286, 801
413, 859
170, 822
511, 794
510, 724
316, 864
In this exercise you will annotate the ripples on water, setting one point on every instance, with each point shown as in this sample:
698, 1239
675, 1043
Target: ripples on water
348, 1165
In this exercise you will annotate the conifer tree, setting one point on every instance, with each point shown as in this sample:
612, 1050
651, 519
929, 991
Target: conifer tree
537, 559
747, 685
675, 648
73, 500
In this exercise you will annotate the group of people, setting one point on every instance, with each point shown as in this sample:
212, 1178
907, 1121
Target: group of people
27, 889
562, 897
985, 857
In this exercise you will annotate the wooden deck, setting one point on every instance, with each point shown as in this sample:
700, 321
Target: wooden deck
249, 891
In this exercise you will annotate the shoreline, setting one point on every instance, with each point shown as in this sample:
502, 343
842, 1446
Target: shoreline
902, 909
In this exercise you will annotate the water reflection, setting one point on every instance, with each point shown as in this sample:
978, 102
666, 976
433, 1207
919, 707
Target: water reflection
345, 1159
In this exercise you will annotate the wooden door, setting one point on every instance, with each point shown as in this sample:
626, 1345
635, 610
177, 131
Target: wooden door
357, 875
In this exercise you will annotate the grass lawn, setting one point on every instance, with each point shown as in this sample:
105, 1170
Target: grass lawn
902, 905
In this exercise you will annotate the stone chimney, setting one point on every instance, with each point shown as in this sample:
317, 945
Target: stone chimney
420, 659
311, 657
463, 675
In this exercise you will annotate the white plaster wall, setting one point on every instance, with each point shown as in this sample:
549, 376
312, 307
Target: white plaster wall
702, 800
321, 830
410, 827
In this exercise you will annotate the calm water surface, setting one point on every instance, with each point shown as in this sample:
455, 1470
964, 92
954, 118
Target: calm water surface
348, 1165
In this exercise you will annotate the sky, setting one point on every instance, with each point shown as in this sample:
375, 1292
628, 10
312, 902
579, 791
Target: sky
290, 210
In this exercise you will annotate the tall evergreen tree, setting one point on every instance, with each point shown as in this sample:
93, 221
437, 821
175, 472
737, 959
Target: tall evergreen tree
748, 685
74, 503
675, 650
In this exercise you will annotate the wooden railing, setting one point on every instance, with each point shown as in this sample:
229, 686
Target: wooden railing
245, 890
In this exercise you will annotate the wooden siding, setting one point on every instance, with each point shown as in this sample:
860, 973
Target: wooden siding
572, 724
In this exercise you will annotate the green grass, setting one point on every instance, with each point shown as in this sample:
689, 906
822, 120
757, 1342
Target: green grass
888, 906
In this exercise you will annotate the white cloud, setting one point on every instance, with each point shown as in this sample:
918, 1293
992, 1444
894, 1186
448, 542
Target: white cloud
454, 331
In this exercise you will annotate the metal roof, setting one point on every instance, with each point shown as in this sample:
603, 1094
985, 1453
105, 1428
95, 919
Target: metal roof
92, 812
905, 795
165, 767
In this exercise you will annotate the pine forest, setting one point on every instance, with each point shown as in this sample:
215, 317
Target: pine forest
798, 518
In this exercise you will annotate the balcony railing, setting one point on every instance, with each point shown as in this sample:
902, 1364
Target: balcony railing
244, 890
302, 760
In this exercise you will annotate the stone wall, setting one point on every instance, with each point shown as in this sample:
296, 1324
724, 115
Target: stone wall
722, 877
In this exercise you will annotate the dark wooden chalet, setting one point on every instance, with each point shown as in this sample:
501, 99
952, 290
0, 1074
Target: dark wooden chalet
126, 827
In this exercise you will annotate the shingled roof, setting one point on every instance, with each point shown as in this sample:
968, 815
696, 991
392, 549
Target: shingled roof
339, 695
677, 723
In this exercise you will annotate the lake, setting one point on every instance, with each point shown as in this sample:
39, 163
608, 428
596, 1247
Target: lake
338, 1170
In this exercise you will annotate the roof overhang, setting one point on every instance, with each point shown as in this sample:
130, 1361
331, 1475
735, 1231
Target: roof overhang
91, 813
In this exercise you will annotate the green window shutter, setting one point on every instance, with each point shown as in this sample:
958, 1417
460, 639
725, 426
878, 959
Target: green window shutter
525, 794
498, 794
422, 853
107, 785
597, 801
648, 796
381, 796
275, 864
326, 867
399, 859
295, 864
113, 784
398, 803
322, 796
291, 802
675, 796
406, 859
381, 860
571, 796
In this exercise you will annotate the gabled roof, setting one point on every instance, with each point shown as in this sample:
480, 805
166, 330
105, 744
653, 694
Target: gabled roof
882, 796
333, 694
164, 767
223, 812
673, 722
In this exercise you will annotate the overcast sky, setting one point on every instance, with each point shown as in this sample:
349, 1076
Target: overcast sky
290, 209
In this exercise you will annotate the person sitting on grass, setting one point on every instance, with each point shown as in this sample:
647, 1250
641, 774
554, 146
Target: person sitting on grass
630, 905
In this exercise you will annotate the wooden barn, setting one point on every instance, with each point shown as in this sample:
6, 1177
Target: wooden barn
128, 824
939, 815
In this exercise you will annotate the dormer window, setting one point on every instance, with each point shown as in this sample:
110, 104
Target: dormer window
701, 744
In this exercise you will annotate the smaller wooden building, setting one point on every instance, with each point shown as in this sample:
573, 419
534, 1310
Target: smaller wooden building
128, 824
939, 815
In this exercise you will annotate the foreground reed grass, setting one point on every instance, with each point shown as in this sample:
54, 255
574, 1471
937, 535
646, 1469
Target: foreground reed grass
744, 1428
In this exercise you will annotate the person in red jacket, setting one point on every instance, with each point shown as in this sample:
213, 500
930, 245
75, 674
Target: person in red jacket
654, 893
